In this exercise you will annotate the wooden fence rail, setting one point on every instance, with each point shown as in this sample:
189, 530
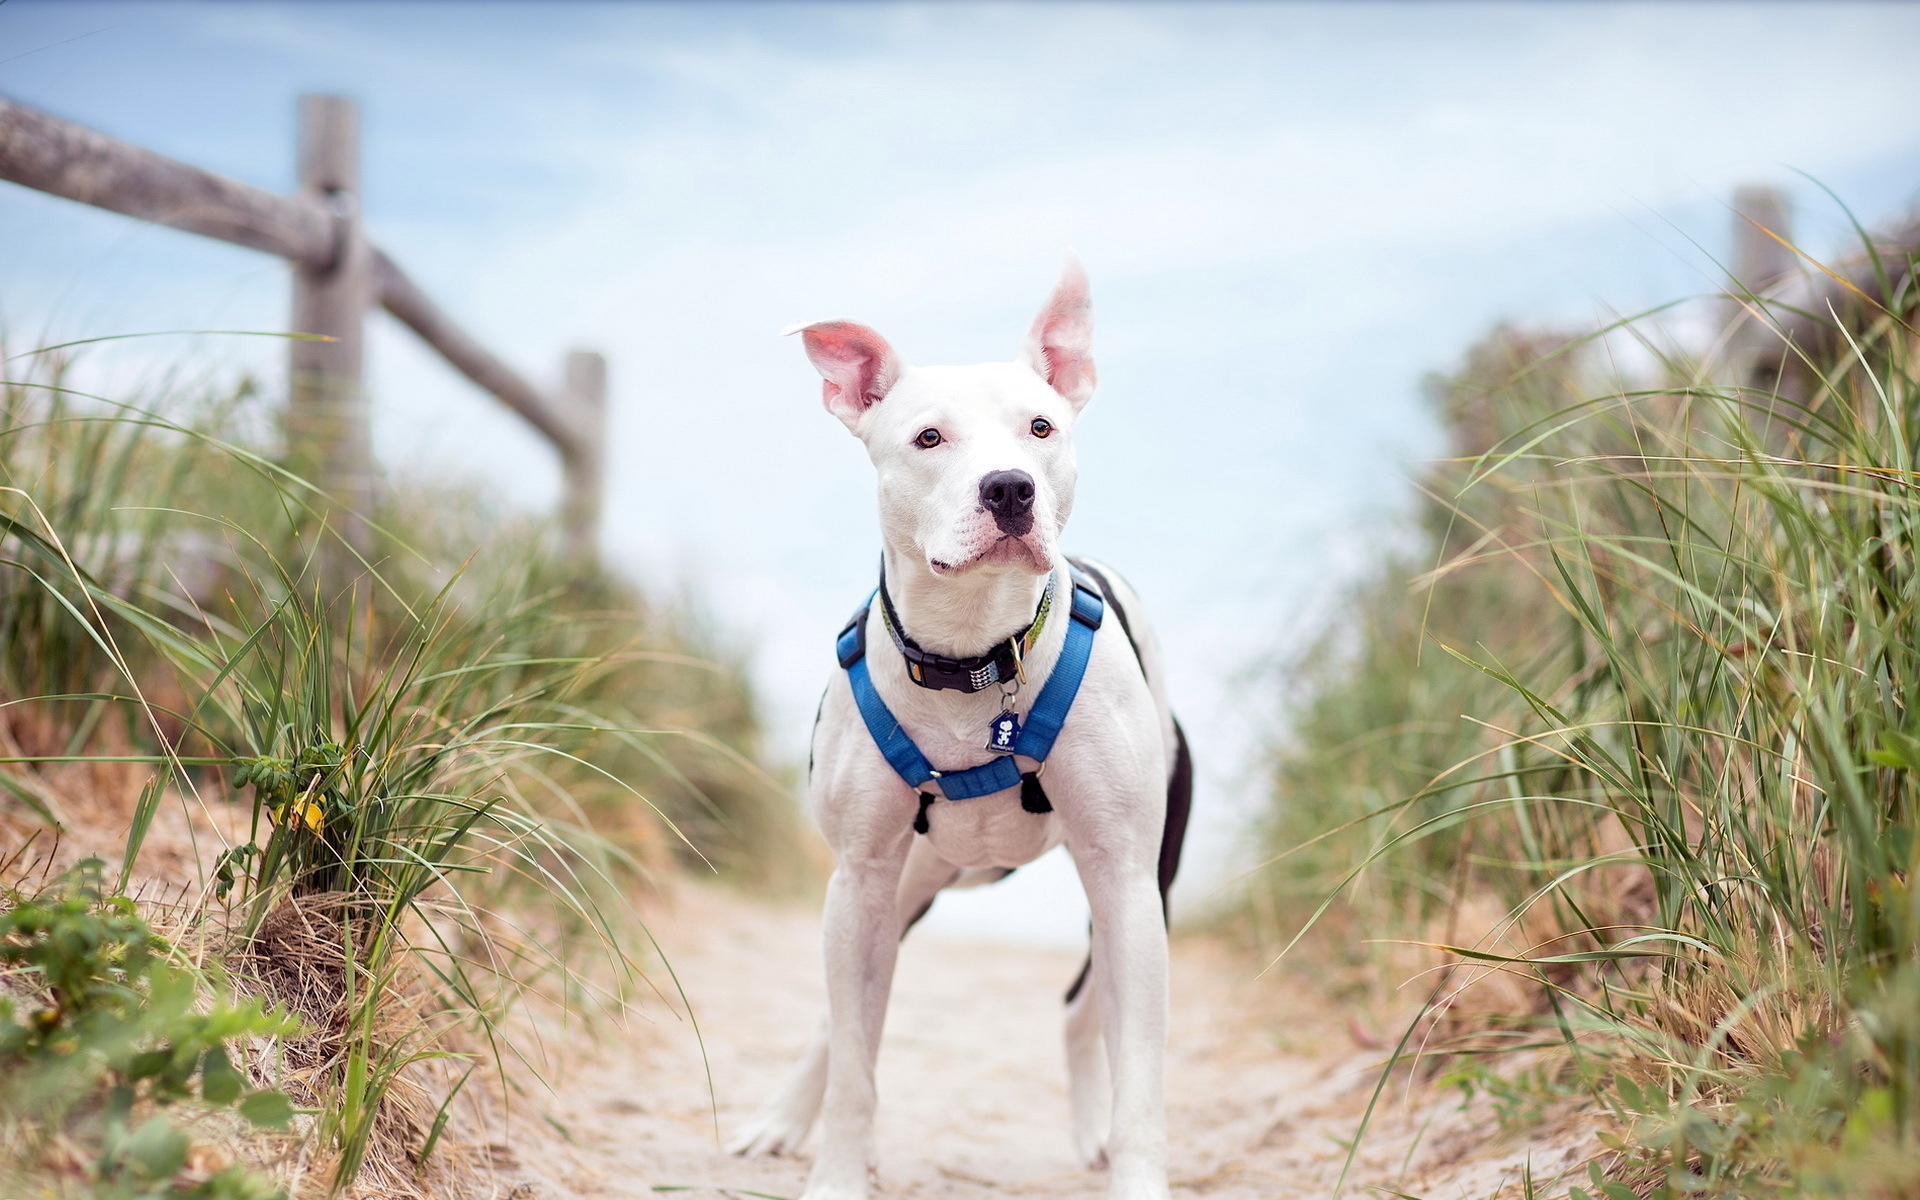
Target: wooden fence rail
338, 276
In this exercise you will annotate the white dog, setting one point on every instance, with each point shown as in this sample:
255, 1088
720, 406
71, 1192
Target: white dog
935, 762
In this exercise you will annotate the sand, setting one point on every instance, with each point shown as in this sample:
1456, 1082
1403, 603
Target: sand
1265, 1085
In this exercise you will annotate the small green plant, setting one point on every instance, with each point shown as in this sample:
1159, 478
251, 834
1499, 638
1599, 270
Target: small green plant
1521, 1099
102, 1038
1603, 1188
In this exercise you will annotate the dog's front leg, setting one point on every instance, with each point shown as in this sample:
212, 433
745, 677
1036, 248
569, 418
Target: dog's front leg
862, 935
1130, 973
1089, 1089
782, 1125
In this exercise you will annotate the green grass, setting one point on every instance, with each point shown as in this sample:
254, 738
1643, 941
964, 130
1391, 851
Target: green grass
1628, 751
449, 773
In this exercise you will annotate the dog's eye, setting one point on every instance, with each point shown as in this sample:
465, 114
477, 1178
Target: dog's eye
1042, 427
929, 438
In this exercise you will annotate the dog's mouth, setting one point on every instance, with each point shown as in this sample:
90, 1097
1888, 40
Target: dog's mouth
1007, 550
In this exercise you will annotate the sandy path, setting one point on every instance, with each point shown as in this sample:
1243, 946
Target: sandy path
1264, 1089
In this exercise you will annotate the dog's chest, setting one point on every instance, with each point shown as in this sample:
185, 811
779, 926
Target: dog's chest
985, 831
955, 735
990, 831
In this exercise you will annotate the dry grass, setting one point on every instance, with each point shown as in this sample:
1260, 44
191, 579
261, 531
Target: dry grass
454, 771
1627, 760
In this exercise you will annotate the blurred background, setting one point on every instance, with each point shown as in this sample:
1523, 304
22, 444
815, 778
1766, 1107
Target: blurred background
1292, 214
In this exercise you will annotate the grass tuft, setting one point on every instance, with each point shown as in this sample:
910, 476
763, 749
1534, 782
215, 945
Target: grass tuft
1627, 759
395, 807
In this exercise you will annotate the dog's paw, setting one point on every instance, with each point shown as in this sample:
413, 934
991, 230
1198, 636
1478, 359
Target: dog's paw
817, 1191
1142, 1185
831, 1180
769, 1133
1091, 1149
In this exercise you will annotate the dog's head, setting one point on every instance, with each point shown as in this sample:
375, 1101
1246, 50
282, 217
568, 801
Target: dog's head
976, 463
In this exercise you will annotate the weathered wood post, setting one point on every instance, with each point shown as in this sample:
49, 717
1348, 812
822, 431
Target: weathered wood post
338, 275
327, 426
1762, 222
1758, 258
585, 397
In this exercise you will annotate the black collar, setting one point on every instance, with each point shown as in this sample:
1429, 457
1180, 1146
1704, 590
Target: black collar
975, 674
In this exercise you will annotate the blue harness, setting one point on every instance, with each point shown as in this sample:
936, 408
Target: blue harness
1036, 737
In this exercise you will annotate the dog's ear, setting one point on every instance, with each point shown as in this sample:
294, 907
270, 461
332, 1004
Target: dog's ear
1060, 345
857, 364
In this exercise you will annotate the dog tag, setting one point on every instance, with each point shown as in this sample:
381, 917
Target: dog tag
1003, 733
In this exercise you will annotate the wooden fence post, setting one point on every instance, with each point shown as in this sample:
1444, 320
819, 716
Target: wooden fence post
338, 276
327, 406
1762, 220
1760, 259
585, 395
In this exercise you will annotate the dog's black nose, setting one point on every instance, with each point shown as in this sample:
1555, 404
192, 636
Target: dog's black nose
1008, 495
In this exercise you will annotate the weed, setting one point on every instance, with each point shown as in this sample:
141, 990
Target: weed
102, 1037
1521, 1099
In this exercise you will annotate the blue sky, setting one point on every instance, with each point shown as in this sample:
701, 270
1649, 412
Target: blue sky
1290, 213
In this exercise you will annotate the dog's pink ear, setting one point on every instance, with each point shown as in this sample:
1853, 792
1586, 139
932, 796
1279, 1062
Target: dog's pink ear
857, 364
1060, 345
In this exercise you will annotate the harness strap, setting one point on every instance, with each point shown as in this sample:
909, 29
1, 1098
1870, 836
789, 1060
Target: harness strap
895, 746
1036, 739
1106, 591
